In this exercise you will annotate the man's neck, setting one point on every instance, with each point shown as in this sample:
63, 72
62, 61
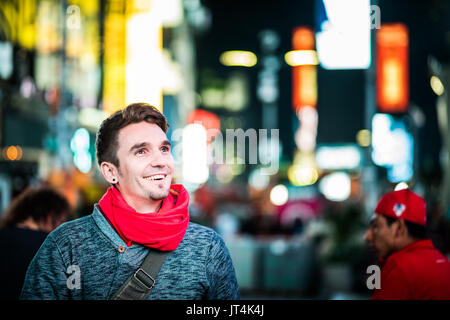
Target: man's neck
405, 242
143, 205
28, 224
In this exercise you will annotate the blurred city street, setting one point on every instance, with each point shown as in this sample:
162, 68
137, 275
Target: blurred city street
288, 119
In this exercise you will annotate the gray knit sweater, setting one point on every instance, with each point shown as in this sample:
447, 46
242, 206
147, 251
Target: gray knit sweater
81, 260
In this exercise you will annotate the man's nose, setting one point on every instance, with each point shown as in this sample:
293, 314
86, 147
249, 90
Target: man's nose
368, 235
158, 159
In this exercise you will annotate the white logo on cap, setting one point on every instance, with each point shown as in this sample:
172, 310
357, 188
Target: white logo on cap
399, 208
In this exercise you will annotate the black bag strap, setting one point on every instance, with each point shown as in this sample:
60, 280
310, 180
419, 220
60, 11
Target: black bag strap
139, 284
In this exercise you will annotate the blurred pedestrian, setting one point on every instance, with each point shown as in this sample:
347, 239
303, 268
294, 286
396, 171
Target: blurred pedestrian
411, 267
23, 228
141, 216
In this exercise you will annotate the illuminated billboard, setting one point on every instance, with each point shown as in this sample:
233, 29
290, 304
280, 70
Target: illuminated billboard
393, 147
392, 74
343, 35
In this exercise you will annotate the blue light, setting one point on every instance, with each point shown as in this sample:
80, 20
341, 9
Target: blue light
79, 144
393, 147
83, 161
399, 173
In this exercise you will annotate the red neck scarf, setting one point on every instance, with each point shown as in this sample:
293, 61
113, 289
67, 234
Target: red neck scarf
162, 230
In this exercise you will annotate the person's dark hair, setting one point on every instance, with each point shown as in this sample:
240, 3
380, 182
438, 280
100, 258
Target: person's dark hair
106, 143
38, 204
415, 230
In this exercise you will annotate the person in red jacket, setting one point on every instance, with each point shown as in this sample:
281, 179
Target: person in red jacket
411, 267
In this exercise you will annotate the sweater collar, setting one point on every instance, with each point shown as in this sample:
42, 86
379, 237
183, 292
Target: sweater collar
106, 227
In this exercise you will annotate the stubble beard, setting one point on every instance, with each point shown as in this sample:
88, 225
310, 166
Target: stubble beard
160, 194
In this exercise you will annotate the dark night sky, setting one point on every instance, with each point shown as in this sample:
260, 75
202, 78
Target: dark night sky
236, 24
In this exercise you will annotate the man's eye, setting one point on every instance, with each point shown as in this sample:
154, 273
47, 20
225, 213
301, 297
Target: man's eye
140, 151
165, 149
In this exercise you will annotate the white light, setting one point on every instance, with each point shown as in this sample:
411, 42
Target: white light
401, 186
344, 42
194, 150
301, 58
90, 117
171, 75
258, 180
83, 161
279, 195
309, 116
338, 157
79, 145
393, 147
170, 12
390, 147
6, 60
363, 137
238, 58
336, 186
278, 247
80, 140
236, 93
268, 92
302, 175
305, 136
400, 172
437, 85
144, 59
227, 224
224, 174
212, 97
305, 140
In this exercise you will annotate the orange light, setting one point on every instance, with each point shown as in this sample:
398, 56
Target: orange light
392, 82
305, 86
304, 77
303, 39
13, 153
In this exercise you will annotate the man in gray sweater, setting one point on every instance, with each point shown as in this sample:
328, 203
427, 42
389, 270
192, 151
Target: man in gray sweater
91, 257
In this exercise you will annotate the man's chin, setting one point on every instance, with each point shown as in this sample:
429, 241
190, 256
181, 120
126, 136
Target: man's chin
160, 195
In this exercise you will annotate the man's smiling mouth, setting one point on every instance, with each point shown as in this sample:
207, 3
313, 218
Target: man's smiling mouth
155, 177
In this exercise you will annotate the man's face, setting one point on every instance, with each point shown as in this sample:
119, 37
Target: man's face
380, 236
145, 164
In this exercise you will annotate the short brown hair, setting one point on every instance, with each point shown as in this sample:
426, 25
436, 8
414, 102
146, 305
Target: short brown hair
106, 143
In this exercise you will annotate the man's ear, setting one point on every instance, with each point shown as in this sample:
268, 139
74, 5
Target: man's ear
400, 229
109, 172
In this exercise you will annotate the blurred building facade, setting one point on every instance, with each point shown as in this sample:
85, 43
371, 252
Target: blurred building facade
66, 65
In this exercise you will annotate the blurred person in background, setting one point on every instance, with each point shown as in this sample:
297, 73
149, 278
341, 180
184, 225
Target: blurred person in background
141, 212
411, 267
26, 223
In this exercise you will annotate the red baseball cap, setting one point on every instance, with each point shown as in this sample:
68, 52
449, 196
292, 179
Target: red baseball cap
403, 204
